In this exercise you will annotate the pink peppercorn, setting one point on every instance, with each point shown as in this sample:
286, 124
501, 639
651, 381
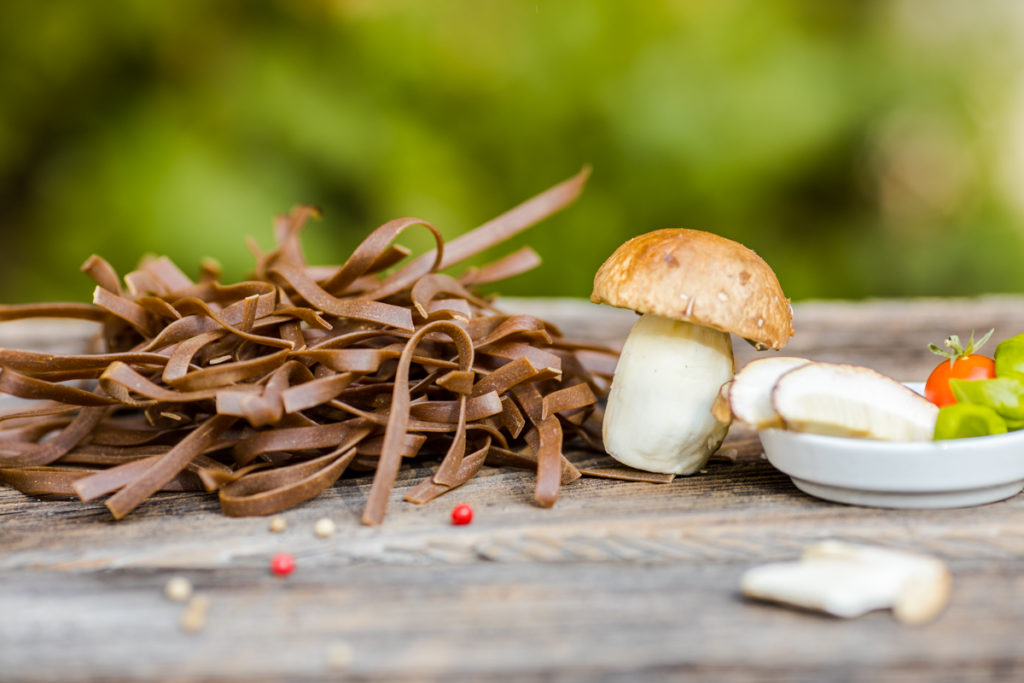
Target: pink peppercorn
462, 514
282, 564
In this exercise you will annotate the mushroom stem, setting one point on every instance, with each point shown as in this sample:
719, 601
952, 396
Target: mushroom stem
659, 416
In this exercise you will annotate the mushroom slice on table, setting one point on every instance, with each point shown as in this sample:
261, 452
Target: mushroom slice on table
850, 579
693, 289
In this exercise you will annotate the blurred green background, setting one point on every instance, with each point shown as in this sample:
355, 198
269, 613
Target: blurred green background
862, 148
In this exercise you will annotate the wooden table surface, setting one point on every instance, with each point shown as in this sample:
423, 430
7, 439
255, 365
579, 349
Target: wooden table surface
619, 581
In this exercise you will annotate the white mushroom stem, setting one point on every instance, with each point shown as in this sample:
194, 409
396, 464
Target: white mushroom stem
659, 416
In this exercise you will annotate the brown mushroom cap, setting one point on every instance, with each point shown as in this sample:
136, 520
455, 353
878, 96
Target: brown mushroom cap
698, 277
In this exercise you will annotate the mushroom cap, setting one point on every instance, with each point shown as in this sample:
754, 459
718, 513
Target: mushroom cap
697, 277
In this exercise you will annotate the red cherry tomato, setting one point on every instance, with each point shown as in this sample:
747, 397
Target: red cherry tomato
937, 390
963, 363
462, 514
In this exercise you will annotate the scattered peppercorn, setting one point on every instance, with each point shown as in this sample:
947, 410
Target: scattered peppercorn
278, 524
323, 528
462, 514
193, 618
282, 564
178, 589
340, 655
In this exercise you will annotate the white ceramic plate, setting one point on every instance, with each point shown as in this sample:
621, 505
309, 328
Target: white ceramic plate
918, 474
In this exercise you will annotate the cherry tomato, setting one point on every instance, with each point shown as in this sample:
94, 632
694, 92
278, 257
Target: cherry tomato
961, 363
974, 366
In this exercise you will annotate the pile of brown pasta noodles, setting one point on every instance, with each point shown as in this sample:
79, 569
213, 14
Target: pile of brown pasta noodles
266, 391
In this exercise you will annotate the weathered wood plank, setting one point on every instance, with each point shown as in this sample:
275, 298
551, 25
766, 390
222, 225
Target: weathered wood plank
620, 581
742, 511
574, 621
891, 336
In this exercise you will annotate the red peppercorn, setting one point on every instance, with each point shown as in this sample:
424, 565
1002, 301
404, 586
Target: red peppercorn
282, 564
462, 514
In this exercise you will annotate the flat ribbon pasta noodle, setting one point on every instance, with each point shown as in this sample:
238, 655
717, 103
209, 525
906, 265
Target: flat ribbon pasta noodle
269, 390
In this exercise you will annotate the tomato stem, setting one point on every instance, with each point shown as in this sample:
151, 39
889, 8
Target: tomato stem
956, 349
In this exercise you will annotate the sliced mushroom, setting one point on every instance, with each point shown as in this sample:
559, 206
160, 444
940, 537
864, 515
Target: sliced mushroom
924, 592
848, 580
750, 394
849, 400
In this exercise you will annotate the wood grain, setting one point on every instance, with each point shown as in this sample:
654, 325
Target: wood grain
891, 336
619, 581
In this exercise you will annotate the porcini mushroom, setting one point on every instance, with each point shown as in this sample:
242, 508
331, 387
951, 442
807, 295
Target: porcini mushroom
692, 289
